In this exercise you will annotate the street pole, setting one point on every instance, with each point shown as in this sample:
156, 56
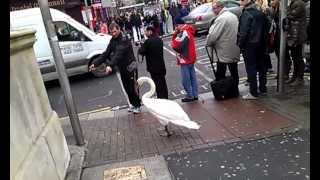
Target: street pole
87, 14
283, 42
63, 79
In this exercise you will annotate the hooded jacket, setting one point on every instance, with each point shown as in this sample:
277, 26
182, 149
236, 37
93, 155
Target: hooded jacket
223, 37
183, 43
296, 14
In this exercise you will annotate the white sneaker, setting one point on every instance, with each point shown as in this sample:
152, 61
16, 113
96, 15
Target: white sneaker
130, 109
249, 96
136, 110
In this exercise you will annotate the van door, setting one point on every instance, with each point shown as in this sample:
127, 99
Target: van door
74, 46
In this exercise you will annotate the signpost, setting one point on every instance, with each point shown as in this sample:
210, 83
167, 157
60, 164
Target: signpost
63, 79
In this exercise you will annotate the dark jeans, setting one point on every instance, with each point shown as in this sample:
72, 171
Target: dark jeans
298, 63
222, 68
161, 85
130, 85
268, 59
255, 61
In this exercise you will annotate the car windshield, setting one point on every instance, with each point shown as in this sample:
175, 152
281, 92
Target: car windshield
200, 9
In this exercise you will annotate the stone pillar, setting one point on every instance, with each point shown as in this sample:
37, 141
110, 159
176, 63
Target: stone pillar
38, 148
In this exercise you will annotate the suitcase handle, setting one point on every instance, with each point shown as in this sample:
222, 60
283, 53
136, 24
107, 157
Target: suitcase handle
211, 58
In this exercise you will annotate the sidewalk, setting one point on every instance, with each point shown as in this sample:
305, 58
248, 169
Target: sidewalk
118, 136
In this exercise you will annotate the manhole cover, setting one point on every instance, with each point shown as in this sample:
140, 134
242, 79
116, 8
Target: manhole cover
126, 173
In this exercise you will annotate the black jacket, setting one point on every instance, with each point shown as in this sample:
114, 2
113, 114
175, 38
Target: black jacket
152, 49
118, 53
253, 27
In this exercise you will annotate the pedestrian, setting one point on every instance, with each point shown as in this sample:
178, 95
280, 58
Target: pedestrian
263, 6
174, 12
251, 39
275, 23
183, 43
223, 37
307, 53
152, 49
135, 19
119, 53
104, 28
296, 36
165, 19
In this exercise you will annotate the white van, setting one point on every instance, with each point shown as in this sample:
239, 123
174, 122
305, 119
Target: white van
79, 45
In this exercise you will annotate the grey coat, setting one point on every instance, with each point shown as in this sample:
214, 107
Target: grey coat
223, 36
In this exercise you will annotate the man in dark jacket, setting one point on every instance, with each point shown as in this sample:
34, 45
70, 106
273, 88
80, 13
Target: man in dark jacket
119, 53
152, 49
297, 35
252, 35
136, 22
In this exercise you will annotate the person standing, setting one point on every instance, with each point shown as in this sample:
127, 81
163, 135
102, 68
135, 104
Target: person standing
183, 43
263, 6
251, 39
119, 53
165, 18
223, 37
174, 12
152, 49
296, 36
135, 19
104, 28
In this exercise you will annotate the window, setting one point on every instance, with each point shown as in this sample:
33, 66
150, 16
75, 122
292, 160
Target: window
66, 32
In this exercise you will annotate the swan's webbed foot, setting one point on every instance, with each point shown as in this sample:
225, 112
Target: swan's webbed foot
167, 133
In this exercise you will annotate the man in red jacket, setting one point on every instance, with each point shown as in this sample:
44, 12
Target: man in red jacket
183, 43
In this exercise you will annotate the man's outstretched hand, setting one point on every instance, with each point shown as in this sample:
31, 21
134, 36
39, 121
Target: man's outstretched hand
108, 69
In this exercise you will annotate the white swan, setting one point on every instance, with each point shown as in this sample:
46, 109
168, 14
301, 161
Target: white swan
165, 110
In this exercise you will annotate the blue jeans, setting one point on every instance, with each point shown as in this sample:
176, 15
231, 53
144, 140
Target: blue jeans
189, 80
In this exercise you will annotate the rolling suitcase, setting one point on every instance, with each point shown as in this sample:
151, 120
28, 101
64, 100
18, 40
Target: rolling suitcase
225, 88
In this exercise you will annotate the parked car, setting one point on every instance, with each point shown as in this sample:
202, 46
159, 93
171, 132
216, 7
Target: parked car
202, 16
79, 45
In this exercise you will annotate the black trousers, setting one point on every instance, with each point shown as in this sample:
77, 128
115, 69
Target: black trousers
130, 85
298, 64
255, 61
161, 85
222, 68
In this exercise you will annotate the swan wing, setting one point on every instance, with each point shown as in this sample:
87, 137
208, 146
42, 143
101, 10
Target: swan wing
169, 111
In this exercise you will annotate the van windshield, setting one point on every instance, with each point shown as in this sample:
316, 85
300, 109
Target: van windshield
83, 28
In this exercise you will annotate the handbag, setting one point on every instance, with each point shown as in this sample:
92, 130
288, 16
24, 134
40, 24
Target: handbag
224, 88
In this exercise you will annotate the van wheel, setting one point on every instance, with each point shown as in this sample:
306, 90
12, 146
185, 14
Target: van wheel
100, 71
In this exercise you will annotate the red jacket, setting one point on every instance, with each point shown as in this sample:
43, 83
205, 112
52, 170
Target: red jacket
183, 43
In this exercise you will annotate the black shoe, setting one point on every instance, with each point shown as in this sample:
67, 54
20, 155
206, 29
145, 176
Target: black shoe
290, 81
187, 99
195, 98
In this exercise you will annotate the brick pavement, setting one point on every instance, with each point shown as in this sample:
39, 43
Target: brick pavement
116, 136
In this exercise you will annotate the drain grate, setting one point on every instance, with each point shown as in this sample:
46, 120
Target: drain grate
126, 173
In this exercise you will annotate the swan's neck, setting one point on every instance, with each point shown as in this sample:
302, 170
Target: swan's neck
152, 90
